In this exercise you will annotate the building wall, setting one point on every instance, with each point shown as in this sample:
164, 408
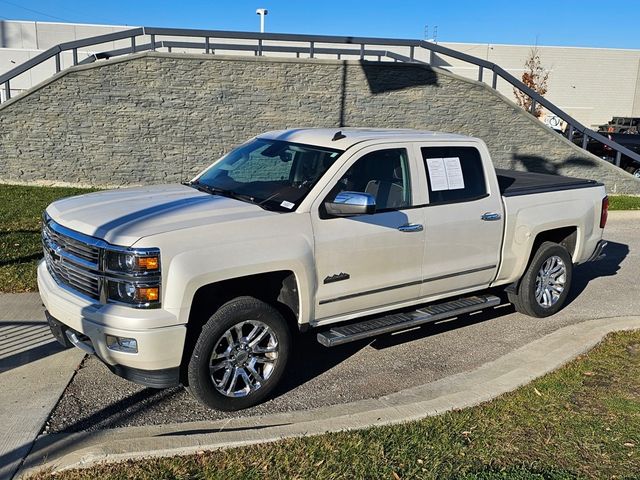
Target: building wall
590, 84
23, 40
158, 117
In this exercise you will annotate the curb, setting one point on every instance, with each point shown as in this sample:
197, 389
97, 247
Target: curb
80, 450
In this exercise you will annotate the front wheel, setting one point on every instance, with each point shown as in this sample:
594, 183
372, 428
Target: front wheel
240, 355
546, 282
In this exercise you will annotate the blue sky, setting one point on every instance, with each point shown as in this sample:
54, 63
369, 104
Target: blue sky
554, 22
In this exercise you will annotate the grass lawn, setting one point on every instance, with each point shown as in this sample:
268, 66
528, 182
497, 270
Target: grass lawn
20, 212
581, 421
624, 202
20, 248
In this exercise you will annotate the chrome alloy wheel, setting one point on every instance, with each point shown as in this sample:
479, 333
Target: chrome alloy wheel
243, 359
550, 281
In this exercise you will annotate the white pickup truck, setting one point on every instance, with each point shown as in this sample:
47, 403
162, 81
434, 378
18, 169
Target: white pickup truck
352, 232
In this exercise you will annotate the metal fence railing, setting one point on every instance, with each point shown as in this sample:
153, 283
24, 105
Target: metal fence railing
364, 48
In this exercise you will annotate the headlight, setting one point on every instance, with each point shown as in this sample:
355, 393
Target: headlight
132, 262
141, 295
133, 276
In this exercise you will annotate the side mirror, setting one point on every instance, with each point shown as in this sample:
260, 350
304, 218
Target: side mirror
347, 204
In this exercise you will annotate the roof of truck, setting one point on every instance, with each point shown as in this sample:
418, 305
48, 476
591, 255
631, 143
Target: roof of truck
347, 137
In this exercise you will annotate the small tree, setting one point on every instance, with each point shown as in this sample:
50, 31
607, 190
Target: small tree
535, 77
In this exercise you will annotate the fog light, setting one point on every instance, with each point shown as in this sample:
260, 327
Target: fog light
122, 344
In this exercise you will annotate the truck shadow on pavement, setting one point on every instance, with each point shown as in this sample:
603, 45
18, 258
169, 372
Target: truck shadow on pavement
313, 359
606, 267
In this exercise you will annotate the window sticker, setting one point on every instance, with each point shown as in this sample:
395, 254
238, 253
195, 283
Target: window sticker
287, 204
454, 173
437, 174
445, 174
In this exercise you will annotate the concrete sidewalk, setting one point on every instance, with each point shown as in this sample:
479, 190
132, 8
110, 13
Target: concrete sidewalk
517, 368
34, 371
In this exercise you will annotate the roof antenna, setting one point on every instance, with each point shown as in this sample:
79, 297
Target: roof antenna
338, 136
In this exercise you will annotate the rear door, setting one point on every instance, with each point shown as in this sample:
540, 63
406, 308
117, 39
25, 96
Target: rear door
463, 219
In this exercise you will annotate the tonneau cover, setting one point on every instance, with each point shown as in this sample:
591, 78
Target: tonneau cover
515, 182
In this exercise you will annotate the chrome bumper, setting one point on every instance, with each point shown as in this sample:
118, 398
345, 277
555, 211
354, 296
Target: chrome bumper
597, 253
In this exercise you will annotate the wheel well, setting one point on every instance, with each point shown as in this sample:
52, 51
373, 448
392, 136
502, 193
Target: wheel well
279, 289
565, 236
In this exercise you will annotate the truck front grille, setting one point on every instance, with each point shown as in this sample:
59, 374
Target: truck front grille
69, 245
71, 261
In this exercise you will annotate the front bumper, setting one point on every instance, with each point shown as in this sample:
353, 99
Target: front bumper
86, 324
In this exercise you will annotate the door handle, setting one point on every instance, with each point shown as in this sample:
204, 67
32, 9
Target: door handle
491, 216
411, 227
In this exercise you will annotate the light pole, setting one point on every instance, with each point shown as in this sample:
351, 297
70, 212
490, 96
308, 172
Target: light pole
263, 13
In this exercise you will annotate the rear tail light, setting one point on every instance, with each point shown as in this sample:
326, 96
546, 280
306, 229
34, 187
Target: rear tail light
604, 213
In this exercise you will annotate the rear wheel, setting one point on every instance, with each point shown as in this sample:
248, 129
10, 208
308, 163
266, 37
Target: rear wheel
240, 355
546, 282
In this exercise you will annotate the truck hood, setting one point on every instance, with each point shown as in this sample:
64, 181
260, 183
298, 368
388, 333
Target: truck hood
123, 216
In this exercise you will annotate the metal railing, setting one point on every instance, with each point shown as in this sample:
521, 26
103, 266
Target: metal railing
358, 47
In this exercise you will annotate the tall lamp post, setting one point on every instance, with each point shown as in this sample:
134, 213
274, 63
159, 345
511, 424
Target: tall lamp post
263, 13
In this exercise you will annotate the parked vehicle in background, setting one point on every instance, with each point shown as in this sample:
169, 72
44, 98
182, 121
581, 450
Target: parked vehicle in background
353, 233
628, 140
621, 125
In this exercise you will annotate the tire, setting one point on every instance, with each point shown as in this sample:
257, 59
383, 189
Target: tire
532, 298
240, 357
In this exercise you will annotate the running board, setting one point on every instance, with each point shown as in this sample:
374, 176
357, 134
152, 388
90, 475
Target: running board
402, 321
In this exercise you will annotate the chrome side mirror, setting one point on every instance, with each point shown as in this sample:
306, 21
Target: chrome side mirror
347, 204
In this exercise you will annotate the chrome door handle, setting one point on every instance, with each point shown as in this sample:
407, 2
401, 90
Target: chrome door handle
490, 217
411, 227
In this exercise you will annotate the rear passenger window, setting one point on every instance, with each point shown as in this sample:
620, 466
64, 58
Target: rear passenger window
454, 174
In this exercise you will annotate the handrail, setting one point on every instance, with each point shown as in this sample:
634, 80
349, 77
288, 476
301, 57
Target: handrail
259, 48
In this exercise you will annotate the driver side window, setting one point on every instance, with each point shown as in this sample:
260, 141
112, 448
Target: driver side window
383, 174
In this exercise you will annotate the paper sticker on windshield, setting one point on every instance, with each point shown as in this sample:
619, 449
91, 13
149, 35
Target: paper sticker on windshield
288, 205
445, 174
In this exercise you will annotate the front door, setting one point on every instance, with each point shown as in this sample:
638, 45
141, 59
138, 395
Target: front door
370, 261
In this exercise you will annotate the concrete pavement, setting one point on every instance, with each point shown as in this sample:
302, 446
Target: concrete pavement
34, 371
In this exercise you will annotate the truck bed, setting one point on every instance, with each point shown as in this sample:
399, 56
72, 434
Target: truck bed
514, 182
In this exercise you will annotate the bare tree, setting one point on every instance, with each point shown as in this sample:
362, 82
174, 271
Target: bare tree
535, 77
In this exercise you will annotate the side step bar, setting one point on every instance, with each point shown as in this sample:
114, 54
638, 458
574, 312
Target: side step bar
402, 321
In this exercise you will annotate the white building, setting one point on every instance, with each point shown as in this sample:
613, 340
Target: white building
591, 84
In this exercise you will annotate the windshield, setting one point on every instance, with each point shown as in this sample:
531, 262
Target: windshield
274, 174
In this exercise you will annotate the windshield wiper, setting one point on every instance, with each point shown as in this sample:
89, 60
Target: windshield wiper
203, 187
